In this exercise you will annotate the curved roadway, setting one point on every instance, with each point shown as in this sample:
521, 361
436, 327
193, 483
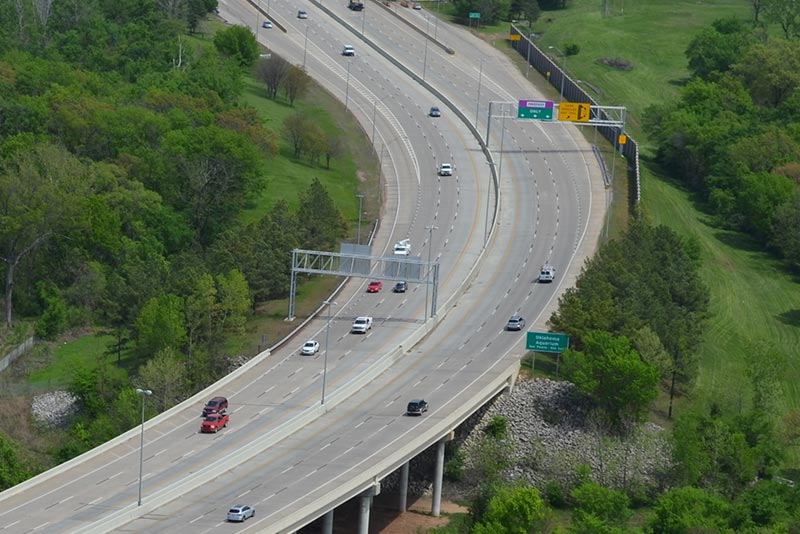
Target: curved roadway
280, 453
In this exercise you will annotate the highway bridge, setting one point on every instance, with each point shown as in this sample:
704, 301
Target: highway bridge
531, 193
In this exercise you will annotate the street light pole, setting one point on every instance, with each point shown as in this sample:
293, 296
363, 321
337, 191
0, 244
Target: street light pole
425, 60
325, 362
360, 201
478, 100
305, 47
488, 193
374, 109
563, 70
143, 393
430, 230
347, 89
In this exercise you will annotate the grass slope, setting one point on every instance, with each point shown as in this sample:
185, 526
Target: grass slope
755, 301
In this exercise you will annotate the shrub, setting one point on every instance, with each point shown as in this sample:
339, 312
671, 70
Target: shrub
497, 427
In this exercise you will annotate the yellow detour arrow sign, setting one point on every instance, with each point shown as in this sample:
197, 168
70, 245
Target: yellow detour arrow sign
622, 139
514, 37
574, 112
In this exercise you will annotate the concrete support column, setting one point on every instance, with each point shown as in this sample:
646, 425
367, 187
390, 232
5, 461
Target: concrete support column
436, 505
403, 488
327, 523
366, 504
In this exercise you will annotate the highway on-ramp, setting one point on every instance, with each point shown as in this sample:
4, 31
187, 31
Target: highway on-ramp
284, 453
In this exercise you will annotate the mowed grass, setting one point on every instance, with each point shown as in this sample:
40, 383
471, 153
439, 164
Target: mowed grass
87, 351
755, 300
650, 34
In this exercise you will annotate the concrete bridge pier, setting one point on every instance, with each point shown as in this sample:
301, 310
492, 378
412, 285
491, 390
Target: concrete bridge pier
436, 505
366, 504
403, 504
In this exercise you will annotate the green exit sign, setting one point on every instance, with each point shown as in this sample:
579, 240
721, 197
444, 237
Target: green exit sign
547, 342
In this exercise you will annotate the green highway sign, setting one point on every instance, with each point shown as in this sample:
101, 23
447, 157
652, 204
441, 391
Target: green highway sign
535, 109
474, 15
547, 342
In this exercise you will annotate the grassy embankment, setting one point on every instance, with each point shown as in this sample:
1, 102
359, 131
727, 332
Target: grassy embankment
754, 299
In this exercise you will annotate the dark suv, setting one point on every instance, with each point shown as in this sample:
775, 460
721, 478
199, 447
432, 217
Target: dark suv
216, 405
417, 407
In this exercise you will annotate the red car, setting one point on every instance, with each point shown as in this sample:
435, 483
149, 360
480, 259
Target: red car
374, 286
214, 422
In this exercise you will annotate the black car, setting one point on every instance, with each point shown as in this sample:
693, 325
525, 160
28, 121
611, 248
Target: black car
515, 323
417, 407
400, 287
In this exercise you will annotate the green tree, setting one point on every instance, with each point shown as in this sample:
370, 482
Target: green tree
613, 373
53, 320
165, 375
296, 83
598, 509
161, 324
12, 469
786, 229
41, 187
239, 43
785, 13
272, 71
233, 301
716, 49
685, 510
770, 72
322, 225
513, 510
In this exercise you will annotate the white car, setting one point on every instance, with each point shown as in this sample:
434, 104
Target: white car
240, 512
310, 348
402, 248
302, 14
348, 50
266, 24
446, 169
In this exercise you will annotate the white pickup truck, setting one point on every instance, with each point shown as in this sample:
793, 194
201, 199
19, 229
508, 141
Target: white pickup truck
361, 325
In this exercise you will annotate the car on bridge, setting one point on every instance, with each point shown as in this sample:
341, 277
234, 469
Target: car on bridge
547, 273
361, 325
516, 323
435, 112
400, 287
214, 422
417, 407
446, 169
240, 512
348, 50
215, 405
267, 24
302, 14
310, 347
375, 286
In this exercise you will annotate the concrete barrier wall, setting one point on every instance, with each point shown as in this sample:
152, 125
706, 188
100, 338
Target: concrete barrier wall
21, 349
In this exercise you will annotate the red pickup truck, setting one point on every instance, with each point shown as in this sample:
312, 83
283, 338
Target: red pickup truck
214, 422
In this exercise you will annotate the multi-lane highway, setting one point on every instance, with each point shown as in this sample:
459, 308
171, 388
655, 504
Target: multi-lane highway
283, 452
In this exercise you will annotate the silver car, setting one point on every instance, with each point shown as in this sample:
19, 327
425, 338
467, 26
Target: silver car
240, 512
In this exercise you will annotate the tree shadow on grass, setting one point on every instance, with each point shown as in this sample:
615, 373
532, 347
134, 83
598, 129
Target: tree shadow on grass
739, 241
790, 317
